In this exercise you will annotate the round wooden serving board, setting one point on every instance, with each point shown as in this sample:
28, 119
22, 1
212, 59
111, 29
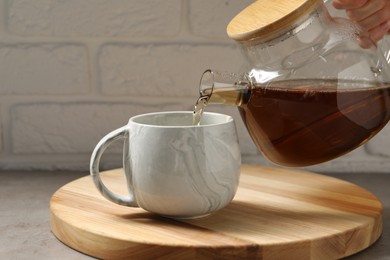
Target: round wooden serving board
276, 214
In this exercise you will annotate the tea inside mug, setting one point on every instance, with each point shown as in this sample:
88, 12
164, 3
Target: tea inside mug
180, 119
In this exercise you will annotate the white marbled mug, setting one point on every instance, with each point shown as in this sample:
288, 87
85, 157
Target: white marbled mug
172, 167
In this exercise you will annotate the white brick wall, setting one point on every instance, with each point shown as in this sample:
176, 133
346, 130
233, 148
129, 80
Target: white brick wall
43, 69
71, 71
89, 18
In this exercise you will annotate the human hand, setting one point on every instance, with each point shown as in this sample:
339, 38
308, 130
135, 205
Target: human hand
373, 16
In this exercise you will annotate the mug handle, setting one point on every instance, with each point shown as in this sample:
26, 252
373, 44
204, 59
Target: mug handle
104, 143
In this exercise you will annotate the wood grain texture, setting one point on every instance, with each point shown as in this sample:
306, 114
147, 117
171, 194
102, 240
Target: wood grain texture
265, 17
276, 214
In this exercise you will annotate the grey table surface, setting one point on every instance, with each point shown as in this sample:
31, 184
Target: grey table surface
25, 214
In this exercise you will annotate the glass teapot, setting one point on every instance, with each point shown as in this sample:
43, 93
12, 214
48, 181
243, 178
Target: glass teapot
318, 87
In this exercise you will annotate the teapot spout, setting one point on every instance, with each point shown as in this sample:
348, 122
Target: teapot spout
224, 88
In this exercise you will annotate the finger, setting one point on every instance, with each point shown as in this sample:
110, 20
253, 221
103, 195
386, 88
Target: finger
378, 32
348, 4
367, 10
374, 20
365, 41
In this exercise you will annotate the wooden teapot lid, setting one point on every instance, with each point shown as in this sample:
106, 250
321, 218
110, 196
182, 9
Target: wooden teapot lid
265, 17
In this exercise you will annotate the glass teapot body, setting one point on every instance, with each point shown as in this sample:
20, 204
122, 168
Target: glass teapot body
315, 90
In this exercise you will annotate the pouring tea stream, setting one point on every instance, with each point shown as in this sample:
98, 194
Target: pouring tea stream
312, 92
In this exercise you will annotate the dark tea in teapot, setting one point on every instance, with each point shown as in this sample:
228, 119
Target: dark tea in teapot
305, 122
